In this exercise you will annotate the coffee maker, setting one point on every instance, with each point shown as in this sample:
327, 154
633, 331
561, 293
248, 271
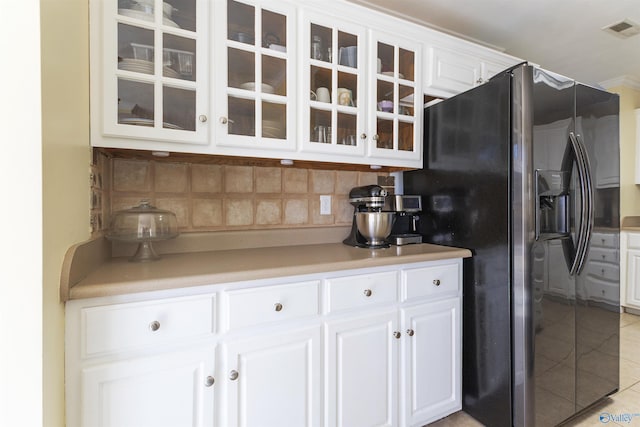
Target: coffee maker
371, 226
407, 208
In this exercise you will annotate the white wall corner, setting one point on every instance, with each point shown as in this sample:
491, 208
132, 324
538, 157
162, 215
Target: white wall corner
628, 81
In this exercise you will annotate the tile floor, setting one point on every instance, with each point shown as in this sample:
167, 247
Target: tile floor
626, 401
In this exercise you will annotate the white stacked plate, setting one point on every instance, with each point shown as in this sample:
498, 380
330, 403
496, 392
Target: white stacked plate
252, 86
138, 14
145, 67
139, 121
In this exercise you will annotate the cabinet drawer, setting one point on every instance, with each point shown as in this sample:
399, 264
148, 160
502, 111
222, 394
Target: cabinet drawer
603, 271
599, 290
256, 306
607, 240
362, 290
603, 255
442, 280
119, 327
633, 240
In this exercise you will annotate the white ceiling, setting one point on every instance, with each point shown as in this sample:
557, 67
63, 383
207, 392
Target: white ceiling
563, 36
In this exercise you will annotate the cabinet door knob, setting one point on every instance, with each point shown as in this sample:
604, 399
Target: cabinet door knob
208, 382
367, 292
410, 332
479, 80
223, 120
363, 136
233, 375
202, 118
154, 326
278, 306
397, 334
436, 282
375, 137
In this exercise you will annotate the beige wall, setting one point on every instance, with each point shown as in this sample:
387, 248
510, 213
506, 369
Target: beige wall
629, 191
66, 158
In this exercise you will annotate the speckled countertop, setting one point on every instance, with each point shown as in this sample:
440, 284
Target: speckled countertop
116, 276
630, 223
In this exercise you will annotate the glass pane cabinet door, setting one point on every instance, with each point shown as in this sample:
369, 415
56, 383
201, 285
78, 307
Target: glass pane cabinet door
333, 77
153, 82
258, 86
397, 104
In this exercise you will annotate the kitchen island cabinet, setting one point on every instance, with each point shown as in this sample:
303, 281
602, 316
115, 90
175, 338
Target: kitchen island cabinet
315, 348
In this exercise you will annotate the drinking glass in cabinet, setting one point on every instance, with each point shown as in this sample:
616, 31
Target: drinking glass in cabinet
384, 134
347, 129
321, 43
405, 136
320, 126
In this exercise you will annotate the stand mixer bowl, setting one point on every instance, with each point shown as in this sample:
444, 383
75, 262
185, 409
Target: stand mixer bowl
375, 226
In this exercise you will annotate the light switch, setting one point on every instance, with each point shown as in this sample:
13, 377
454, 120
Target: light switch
325, 205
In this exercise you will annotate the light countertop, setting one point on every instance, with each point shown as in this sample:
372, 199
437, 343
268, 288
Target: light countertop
119, 276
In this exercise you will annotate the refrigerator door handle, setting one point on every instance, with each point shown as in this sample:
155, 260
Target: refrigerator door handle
589, 202
586, 203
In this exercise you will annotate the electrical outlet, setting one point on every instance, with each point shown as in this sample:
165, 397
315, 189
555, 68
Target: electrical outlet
325, 205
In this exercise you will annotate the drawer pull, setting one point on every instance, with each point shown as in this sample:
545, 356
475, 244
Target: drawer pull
233, 375
208, 382
436, 282
410, 332
154, 326
367, 292
397, 335
278, 306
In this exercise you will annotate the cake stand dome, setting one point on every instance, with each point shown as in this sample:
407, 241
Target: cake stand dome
143, 224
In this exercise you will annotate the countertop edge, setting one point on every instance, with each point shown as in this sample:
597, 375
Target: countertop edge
91, 287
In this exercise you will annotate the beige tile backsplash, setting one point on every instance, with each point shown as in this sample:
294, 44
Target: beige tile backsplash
229, 197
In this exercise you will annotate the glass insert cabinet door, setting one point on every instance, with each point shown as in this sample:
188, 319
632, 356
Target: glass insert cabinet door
258, 89
155, 69
396, 109
333, 96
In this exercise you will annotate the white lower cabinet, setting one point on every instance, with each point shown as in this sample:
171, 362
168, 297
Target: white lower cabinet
366, 347
174, 389
431, 362
362, 370
273, 379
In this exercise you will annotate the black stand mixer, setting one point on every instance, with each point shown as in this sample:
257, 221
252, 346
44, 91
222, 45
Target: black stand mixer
371, 226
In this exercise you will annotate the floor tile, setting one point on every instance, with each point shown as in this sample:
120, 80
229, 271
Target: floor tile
457, 419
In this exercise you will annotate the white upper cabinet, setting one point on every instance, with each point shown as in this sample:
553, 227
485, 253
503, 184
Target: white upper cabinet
279, 79
149, 72
395, 106
455, 69
334, 93
255, 95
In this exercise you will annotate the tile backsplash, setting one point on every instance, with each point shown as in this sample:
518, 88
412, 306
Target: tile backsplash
215, 197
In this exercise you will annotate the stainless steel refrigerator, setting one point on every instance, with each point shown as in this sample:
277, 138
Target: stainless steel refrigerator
524, 171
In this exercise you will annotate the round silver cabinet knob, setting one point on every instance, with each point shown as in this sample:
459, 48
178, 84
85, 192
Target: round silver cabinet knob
278, 306
233, 375
436, 282
367, 292
209, 381
410, 332
223, 120
363, 136
154, 326
375, 137
397, 334
202, 118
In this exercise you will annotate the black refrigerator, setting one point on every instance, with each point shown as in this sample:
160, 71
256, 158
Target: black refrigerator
524, 171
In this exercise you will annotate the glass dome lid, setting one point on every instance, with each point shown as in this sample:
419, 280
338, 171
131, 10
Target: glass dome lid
143, 224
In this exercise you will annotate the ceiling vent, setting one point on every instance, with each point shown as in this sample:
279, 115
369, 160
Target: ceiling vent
623, 29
